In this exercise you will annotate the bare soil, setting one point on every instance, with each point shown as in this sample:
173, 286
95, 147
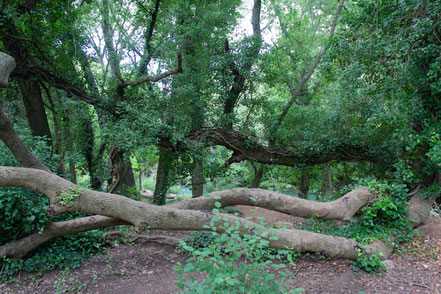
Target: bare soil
144, 267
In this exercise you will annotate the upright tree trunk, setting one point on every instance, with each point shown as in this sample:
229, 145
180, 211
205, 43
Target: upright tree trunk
68, 140
29, 87
197, 179
140, 172
61, 169
304, 184
88, 152
327, 180
122, 178
257, 178
35, 111
163, 176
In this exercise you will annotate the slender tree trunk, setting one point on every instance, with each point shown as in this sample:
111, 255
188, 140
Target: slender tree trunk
69, 143
163, 179
197, 179
257, 178
304, 184
61, 169
88, 152
327, 180
140, 172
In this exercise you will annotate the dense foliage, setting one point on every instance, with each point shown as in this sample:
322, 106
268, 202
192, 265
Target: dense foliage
192, 95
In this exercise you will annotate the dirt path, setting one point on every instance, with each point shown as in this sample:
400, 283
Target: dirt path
145, 267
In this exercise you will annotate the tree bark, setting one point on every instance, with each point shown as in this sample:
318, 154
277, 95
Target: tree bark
246, 147
29, 86
35, 111
58, 149
163, 176
197, 178
22, 247
145, 216
69, 146
327, 181
239, 74
122, 179
257, 178
23, 155
304, 184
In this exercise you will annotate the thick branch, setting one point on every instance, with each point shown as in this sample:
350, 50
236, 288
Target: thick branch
341, 209
16, 145
20, 248
7, 65
160, 76
246, 147
7, 132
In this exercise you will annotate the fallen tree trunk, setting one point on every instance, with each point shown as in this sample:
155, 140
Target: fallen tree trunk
340, 209
20, 248
65, 196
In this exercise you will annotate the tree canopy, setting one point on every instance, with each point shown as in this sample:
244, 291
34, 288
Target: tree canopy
294, 96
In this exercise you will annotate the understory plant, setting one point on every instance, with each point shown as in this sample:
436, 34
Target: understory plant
383, 218
235, 262
370, 262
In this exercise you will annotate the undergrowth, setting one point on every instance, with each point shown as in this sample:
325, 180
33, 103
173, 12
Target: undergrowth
379, 220
235, 262
65, 252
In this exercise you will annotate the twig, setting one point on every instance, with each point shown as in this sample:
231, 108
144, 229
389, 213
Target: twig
298, 270
421, 285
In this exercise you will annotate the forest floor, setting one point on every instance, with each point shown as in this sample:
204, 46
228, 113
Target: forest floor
143, 267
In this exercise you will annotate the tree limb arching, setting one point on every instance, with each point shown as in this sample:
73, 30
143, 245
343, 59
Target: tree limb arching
343, 208
246, 147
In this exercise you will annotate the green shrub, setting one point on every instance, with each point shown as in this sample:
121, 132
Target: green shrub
201, 239
230, 210
369, 262
234, 263
68, 251
384, 217
23, 212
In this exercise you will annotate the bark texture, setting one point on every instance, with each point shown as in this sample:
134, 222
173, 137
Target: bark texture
340, 209
16, 145
7, 65
246, 147
145, 216
22, 247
